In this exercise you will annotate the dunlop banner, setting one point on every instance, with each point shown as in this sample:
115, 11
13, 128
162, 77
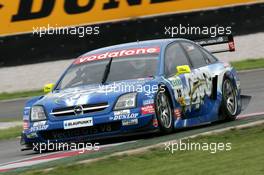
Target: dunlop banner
21, 16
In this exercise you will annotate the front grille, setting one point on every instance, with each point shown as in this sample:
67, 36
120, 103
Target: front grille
80, 132
86, 108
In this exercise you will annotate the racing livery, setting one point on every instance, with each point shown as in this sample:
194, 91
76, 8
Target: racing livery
133, 88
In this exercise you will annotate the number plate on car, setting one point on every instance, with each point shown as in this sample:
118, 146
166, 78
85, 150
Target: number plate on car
78, 123
130, 122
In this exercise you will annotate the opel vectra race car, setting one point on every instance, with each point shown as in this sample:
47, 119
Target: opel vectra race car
140, 87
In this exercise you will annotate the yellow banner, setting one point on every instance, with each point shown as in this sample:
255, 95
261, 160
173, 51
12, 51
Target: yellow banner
21, 16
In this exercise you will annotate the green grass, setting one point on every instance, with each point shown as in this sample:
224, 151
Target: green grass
248, 64
10, 120
7, 96
245, 157
10, 133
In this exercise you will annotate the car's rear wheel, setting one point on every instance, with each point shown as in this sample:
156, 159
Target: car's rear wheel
229, 104
164, 112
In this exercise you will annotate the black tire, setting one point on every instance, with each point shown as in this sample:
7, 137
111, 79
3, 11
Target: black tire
229, 105
164, 112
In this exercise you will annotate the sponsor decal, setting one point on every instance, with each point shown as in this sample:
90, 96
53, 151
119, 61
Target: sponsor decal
123, 114
25, 124
75, 96
155, 122
32, 135
151, 95
128, 122
26, 113
177, 113
192, 89
148, 102
20, 16
39, 126
181, 101
199, 85
176, 81
78, 123
118, 53
149, 109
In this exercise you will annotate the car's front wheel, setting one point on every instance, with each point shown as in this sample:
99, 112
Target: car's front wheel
164, 112
229, 104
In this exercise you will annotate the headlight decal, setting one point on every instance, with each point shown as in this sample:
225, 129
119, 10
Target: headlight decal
37, 113
126, 101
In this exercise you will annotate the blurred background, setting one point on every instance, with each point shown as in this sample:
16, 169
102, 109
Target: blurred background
28, 60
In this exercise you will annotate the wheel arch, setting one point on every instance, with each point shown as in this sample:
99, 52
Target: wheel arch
229, 74
170, 94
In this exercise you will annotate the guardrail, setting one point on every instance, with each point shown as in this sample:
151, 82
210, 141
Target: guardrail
28, 48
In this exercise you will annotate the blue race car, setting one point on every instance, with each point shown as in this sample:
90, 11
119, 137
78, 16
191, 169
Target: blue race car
133, 88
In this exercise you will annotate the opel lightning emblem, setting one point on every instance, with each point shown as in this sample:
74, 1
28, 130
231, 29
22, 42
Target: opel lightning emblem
78, 110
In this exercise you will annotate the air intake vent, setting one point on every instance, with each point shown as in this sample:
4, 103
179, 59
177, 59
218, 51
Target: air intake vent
79, 109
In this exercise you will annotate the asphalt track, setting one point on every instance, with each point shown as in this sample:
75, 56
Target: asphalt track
252, 84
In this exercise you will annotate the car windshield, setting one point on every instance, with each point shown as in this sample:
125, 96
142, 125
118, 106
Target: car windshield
132, 67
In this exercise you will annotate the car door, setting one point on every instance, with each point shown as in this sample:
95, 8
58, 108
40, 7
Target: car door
176, 56
199, 81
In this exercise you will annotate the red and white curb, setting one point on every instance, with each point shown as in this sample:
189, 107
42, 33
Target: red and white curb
59, 155
49, 157
250, 115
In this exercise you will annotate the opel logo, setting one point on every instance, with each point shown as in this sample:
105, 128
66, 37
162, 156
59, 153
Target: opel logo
78, 110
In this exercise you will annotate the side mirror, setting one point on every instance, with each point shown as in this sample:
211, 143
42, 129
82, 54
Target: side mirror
48, 88
183, 69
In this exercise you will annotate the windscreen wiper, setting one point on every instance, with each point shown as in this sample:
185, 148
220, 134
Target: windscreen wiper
107, 71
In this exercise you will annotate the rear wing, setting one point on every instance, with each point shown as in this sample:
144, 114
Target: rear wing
217, 41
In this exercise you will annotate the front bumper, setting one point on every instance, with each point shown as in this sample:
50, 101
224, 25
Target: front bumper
102, 128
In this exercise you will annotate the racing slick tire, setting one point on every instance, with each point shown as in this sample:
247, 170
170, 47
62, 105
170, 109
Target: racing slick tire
229, 105
164, 112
